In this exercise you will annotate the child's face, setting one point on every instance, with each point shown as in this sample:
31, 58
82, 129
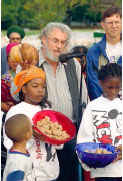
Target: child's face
111, 87
34, 91
12, 63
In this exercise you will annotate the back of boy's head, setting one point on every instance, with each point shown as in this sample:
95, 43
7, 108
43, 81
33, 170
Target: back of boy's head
110, 70
17, 126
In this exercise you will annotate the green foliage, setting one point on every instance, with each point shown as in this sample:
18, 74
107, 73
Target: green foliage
45, 11
34, 14
12, 13
79, 13
89, 11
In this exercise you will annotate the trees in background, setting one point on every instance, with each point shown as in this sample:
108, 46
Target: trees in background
34, 14
89, 12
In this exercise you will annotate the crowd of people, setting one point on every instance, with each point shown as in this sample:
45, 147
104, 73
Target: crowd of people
86, 87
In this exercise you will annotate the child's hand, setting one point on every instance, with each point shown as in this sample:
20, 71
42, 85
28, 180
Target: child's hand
84, 166
119, 156
38, 136
5, 106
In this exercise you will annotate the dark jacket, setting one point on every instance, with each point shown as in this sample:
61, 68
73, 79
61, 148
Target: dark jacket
4, 62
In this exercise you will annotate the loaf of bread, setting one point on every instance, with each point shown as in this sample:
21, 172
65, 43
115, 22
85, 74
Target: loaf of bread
52, 129
98, 151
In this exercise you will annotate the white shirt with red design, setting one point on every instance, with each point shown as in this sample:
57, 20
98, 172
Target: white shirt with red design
102, 122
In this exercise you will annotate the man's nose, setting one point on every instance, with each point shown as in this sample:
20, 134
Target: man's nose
114, 91
114, 24
16, 41
59, 44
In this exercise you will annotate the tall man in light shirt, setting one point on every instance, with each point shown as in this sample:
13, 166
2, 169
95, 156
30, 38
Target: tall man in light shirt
63, 82
108, 50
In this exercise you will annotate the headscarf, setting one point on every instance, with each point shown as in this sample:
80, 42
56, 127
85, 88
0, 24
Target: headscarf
26, 75
16, 29
9, 47
29, 53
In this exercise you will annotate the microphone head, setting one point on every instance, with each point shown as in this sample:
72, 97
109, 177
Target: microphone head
66, 57
63, 58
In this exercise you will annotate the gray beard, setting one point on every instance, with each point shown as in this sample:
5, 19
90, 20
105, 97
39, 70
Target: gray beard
50, 56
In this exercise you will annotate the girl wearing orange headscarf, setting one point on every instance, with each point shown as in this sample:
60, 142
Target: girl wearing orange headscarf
20, 57
30, 84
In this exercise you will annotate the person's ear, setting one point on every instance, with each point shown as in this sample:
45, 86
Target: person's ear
24, 89
28, 135
102, 24
43, 40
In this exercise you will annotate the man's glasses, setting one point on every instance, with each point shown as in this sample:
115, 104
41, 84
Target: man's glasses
56, 41
110, 23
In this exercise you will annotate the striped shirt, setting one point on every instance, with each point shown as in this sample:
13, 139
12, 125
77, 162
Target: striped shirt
58, 89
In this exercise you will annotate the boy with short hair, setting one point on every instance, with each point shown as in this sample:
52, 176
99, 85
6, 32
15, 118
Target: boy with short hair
18, 165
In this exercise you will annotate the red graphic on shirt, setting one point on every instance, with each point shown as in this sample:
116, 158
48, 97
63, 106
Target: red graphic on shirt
104, 133
103, 125
102, 121
38, 150
105, 139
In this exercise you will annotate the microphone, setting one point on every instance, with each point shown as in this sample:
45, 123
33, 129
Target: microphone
66, 57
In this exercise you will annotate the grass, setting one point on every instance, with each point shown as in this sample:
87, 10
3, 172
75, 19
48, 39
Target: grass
36, 32
32, 32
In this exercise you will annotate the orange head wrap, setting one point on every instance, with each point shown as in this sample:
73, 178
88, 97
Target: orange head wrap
26, 75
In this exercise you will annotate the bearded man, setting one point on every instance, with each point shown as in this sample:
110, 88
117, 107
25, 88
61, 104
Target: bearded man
63, 83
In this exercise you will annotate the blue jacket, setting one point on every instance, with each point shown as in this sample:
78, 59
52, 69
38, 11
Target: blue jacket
97, 50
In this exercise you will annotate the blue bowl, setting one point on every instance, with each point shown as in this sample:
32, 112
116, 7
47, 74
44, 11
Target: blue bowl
93, 159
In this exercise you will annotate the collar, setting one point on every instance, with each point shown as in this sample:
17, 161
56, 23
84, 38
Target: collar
42, 61
17, 152
102, 46
41, 58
